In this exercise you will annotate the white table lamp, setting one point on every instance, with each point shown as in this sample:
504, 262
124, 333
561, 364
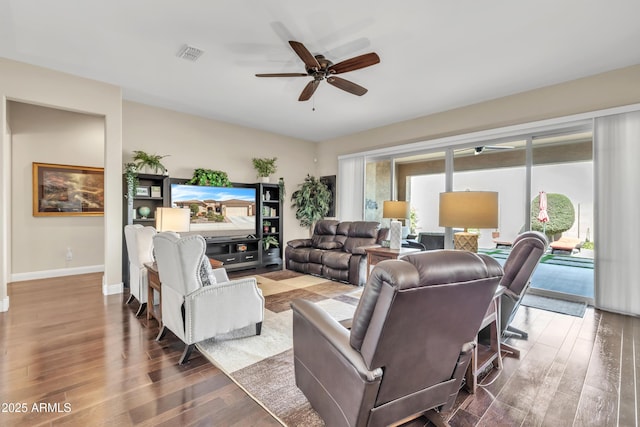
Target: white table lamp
173, 219
468, 209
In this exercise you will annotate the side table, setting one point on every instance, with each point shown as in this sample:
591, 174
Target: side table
375, 254
486, 352
154, 284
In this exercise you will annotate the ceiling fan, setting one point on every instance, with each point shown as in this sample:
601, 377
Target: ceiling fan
320, 68
482, 148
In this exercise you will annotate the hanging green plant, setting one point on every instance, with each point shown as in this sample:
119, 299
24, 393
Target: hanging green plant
131, 178
152, 161
213, 178
265, 166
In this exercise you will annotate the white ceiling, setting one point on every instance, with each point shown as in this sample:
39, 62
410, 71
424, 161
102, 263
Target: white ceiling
435, 55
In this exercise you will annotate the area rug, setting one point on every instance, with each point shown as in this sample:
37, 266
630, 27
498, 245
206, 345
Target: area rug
556, 305
263, 365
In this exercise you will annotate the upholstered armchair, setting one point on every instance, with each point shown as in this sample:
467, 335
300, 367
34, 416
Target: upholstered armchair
139, 241
526, 251
409, 345
196, 304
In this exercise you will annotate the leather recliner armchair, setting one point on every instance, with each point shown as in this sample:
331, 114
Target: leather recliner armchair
526, 252
410, 343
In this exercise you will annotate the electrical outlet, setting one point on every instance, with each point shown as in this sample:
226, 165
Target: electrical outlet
69, 256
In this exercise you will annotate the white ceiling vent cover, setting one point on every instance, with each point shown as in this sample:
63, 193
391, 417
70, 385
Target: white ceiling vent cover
190, 53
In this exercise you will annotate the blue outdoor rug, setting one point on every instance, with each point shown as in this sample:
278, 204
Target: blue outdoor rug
556, 305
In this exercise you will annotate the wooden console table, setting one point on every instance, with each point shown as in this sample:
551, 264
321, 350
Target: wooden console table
154, 284
375, 254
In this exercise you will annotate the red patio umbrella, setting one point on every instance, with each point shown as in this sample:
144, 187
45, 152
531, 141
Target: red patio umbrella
543, 215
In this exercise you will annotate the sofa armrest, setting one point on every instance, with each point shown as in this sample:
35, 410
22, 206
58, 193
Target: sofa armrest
361, 250
299, 243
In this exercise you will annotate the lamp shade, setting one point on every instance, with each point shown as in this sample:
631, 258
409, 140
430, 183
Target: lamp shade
172, 219
469, 209
395, 209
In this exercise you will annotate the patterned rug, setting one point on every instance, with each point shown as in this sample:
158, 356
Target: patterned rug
263, 365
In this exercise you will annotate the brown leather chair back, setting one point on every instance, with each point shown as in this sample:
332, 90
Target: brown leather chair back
526, 252
417, 314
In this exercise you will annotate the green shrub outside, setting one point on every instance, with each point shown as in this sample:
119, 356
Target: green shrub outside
561, 215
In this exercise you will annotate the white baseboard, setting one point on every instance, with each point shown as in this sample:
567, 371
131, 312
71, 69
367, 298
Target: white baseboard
113, 289
46, 274
4, 304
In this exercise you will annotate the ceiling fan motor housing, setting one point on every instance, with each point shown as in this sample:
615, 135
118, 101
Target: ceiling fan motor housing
323, 71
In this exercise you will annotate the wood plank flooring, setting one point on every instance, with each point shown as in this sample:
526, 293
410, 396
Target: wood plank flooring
63, 343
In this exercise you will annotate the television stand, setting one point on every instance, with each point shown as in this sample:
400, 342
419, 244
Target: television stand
235, 253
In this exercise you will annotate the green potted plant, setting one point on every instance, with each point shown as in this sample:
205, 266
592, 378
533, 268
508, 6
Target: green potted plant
265, 167
311, 202
150, 161
269, 241
213, 178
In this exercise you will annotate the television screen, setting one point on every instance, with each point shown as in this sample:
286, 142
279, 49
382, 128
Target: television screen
217, 211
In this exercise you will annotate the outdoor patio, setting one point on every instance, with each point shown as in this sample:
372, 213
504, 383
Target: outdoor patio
568, 277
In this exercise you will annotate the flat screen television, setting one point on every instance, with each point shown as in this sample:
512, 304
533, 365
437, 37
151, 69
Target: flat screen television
218, 212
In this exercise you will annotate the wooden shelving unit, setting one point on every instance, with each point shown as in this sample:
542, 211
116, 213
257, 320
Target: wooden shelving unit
131, 209
270, 222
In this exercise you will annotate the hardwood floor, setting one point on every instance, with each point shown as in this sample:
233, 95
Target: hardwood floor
63, 343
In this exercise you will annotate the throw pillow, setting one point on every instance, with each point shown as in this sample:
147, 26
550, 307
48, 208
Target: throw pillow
206, 272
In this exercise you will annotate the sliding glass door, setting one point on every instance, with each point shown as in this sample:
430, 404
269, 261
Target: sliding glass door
498, 167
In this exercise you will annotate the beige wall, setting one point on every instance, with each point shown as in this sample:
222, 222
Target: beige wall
47, 135
194, 142
39, 86
611, 89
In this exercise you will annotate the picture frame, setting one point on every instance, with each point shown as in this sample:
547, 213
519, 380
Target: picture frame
143, 192
66, 190
156, 191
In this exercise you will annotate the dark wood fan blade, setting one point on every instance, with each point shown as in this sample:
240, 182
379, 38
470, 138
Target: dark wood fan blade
355, 63
308, 90
304, 54
283, 75
346, 85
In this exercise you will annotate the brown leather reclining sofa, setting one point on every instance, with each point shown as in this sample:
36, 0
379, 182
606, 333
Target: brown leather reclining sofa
336, 250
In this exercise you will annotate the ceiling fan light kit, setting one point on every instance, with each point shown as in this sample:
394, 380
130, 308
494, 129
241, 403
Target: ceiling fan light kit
321, 68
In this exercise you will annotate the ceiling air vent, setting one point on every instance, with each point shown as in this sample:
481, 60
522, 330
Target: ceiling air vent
190, 53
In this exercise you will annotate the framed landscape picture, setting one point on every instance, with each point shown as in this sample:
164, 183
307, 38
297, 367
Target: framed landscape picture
63, 190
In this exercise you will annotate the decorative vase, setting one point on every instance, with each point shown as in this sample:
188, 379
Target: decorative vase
264, 179
395, 234
144, 211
